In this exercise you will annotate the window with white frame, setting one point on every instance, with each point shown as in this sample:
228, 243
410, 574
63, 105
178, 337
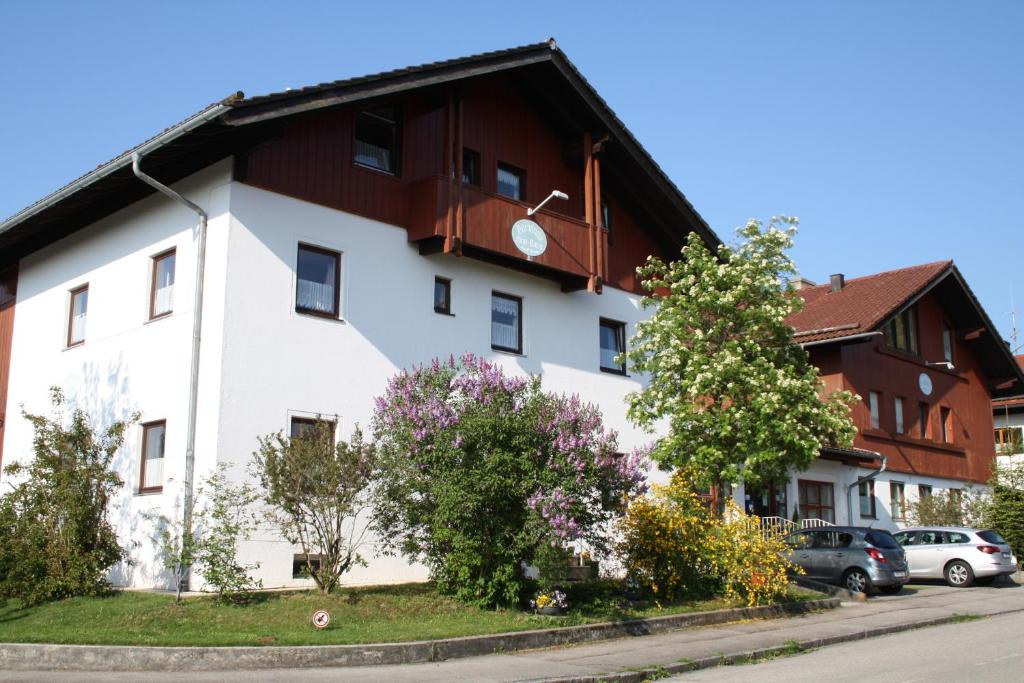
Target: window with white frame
898, 406
897, 500
873, 400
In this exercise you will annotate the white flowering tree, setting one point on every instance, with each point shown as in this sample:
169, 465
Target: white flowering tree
741, 400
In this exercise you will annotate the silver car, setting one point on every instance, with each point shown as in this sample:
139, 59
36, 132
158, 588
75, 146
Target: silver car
960, 555
858, 558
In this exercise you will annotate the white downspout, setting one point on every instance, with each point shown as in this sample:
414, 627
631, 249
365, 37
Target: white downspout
867, 477
197, 325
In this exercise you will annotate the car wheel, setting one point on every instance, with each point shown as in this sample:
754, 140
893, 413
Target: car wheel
857, 581
891, 590
959, 574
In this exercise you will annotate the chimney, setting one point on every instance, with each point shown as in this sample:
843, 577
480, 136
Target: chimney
838, 281
801, 283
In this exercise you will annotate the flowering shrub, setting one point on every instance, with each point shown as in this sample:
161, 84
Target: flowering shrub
480, 469
676, 548
554, 599
665, 542
751, 559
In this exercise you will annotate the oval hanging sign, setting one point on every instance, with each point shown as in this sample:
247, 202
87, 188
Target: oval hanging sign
529, 237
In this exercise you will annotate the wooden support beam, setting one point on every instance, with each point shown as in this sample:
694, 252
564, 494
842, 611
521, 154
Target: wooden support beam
460, 218
588, 207
974, 334
602, 235
449, 145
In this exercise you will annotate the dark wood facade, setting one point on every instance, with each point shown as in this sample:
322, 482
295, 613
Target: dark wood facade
968, 453
8, 296
312, 158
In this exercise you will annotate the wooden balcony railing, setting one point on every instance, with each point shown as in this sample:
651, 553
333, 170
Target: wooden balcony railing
487, 229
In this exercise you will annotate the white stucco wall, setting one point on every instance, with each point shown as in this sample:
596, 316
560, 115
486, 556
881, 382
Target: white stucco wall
278, 362
127, 364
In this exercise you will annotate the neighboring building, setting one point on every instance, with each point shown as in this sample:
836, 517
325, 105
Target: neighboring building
1008, 415
355, 228
919, 350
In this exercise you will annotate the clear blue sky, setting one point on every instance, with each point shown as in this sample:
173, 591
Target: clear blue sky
894, 130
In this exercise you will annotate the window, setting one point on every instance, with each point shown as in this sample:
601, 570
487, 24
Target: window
613, 343
511, 182
606, 219
442, 295
302, 562
76, 315
161, 295
866, 491
377, 139
947, 343
897, 503
922, 420
506, 323
906, 538
946, 424
924, 491
151, 472
1009, 440
898, 405
901, 331
304, 427
816, 500
873, 398
319, 281
470, 167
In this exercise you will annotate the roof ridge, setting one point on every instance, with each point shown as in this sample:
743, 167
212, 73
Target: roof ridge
944, 263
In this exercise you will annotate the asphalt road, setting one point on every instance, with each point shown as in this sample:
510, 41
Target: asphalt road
990, 649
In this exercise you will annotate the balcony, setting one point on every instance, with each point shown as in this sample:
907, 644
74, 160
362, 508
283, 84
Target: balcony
487, 231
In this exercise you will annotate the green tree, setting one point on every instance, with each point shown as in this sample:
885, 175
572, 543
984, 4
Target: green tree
741, 400
56, 538
317, 490
952, 507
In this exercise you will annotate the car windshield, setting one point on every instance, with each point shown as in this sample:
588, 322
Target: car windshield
991, 536
881, 540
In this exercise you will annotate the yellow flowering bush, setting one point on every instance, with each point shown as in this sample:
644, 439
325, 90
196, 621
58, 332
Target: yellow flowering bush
665, 544
751, 560
673, 545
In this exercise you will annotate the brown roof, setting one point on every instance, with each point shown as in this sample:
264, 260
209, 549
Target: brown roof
862, 305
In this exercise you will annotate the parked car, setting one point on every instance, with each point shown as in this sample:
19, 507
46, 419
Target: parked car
859, 558
960, 555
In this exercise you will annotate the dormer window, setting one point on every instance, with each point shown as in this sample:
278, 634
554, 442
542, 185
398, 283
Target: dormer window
901, 331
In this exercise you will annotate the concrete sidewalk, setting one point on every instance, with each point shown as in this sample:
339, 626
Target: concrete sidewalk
626, 659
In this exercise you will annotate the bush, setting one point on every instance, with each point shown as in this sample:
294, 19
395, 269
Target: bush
674, 546
316, 490
56, 539
666, 542
480, 470
951, 507
1006, 514
224, 516
751, 559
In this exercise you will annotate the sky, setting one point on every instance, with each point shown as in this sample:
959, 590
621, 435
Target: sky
893, 130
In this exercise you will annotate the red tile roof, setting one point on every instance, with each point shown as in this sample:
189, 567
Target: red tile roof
862, 305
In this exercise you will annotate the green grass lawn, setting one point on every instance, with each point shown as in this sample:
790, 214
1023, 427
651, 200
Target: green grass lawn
359, 615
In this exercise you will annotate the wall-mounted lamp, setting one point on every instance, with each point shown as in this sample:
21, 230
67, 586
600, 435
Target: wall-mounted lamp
554, 194
949, 366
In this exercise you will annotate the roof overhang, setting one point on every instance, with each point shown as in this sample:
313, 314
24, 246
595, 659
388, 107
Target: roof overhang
237, 123
850, 456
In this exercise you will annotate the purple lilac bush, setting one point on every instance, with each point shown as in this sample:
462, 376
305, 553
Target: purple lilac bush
480, 469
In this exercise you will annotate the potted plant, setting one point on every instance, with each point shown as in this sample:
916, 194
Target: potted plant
549, 603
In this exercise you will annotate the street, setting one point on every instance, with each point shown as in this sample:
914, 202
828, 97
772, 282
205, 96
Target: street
988, 649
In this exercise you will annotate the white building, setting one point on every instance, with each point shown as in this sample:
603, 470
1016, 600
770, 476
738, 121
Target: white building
354, 229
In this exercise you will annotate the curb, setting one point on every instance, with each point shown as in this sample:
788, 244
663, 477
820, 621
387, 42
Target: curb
750, 656
48, 657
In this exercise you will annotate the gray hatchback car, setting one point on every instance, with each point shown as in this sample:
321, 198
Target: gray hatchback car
860, 559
